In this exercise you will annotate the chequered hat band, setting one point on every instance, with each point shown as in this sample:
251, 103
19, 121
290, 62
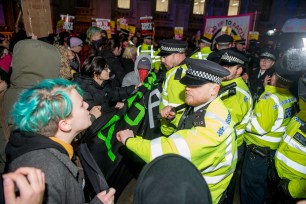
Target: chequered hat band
204, 75
231, 59
269, 55
172, 49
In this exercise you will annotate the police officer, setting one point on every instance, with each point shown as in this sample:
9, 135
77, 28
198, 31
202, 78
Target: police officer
147, 48
173, 57
264, 132
239, 102
256, 79
290, 158
240, 45
207, 138
203, 49
223, 42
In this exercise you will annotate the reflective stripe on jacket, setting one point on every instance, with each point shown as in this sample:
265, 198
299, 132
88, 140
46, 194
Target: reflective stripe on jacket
290, 158
210, 147
270, 117
239, 105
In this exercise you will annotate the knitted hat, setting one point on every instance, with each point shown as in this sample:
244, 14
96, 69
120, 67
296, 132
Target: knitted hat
74, 41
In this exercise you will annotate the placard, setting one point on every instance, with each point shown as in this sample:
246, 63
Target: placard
37, 17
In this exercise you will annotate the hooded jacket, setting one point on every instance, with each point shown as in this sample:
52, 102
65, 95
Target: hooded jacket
33, 61
132, 78
63, 181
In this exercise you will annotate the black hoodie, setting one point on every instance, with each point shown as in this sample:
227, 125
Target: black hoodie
24, 142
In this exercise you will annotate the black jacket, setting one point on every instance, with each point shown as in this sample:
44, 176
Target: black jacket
256, 84
114, 63
101, 95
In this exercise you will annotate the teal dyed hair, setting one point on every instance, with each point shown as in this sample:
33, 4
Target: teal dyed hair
91, 31
40, 108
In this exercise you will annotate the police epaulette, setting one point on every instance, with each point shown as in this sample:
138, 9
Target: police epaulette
199, 117
178, 74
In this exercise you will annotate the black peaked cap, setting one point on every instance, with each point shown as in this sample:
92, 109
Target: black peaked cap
171, 46
224, 39
241, 41
203, 71
232, 57
205, 40
268, 53
171, 179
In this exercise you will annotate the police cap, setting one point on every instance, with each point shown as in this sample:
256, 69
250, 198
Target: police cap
224, 39
241, 41
203, 71
147, 37
267, 53
232, 57
171, 46
205, 40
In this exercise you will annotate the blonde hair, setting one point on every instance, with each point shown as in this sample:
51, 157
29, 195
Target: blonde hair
129, 52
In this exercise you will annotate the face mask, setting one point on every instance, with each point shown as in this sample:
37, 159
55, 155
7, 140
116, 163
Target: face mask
96, 43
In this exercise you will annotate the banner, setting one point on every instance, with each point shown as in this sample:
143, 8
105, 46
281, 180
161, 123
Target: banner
37, 17
104, 24
178, 33
123, 24
68, 22
235, 25
253, 35
146, 23
138, 115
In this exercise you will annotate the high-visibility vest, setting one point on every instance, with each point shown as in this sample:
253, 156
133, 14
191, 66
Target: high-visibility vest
202, 54
239, 104
270, 117
210, 145
290, 158
173, 94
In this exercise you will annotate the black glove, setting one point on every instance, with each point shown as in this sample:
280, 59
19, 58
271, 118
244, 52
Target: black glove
283, 188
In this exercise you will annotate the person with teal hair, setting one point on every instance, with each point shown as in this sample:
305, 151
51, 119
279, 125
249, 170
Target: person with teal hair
47, 118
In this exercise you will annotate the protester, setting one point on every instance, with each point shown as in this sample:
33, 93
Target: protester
204, 131
94, 80
75, 45
128, 58
29, 182
47, 118
143, 66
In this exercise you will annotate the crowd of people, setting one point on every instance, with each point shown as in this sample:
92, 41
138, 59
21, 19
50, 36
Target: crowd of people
241, 121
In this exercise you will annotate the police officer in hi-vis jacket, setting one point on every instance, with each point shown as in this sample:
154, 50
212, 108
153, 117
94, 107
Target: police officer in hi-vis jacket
205, 133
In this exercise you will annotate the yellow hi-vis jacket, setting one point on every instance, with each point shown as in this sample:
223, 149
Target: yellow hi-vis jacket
239, 104
148, 49
173, 94
270, 117
290, 158
210, 145
202, 54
